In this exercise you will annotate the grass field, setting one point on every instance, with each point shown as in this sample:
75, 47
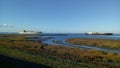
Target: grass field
17, 46
96, 42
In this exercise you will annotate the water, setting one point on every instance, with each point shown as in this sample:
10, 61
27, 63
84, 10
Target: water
62, 39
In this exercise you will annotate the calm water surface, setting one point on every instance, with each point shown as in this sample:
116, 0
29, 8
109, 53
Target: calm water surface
62, 39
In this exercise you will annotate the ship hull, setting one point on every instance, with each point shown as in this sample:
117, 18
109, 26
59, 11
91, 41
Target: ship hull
90, 33
30, 33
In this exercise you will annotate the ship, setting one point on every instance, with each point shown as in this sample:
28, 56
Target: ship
98, 33
29, 32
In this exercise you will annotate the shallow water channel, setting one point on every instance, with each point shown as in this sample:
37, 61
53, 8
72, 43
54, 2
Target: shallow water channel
60, 40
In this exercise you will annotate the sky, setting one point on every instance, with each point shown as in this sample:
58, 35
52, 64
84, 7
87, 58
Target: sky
60, 16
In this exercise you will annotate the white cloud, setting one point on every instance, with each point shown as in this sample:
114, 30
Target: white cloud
5, 25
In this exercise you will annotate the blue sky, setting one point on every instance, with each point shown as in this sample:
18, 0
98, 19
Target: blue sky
60, 16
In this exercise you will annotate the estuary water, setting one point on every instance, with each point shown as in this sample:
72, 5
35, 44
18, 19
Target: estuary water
59, 39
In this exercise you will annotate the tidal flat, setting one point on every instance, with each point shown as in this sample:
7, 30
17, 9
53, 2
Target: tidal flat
107, 43
19, 47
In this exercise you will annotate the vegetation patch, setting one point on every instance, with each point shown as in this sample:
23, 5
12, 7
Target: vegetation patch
41, 59
56, 56
95, 42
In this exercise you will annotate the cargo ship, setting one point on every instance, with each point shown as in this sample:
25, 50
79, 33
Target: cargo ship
29, 32
98, 33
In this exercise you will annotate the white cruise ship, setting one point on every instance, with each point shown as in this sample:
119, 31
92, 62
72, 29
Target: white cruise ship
29, 32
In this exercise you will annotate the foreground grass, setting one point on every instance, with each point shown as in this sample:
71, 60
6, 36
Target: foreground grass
96, 42
56, 56
40, 59
18, 47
